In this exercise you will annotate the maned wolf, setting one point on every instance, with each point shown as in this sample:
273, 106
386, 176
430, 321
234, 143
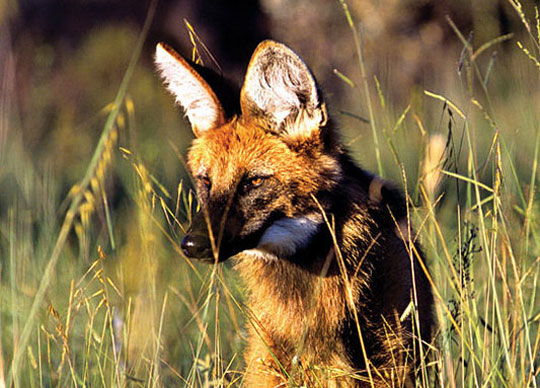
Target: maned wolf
338, 293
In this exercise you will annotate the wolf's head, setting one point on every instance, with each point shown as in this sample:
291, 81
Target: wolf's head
258, 172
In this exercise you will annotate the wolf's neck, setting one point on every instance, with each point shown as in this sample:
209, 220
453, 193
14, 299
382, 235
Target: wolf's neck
286, 297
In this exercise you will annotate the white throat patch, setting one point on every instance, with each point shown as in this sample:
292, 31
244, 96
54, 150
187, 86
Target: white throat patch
286, 236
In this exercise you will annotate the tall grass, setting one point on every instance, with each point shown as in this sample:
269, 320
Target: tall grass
94, 290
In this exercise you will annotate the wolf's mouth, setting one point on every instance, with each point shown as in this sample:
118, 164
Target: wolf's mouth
199, 246
279, 235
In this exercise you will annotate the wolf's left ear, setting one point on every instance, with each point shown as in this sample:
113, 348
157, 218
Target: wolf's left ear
280, 89
201, 104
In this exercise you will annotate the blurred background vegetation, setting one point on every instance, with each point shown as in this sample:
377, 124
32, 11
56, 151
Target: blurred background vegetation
94, 195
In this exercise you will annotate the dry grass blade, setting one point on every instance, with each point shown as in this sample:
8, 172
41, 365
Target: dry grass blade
94, 167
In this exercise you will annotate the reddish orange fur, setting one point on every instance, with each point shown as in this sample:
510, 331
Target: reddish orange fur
331, 311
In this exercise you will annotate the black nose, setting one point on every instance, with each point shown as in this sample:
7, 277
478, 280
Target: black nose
196, 246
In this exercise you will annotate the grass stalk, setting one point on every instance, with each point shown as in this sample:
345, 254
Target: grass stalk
365, 83
76, 201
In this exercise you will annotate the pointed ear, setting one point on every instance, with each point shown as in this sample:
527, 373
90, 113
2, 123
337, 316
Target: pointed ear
192, 92
280, 89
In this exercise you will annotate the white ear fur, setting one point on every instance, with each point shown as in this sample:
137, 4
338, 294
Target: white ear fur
192, 92
280, 87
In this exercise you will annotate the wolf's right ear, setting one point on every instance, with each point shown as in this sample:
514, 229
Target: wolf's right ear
192, 92
280, 89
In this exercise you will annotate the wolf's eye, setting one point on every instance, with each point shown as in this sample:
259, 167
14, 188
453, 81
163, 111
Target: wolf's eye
206, 182
255, 182
251, 183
